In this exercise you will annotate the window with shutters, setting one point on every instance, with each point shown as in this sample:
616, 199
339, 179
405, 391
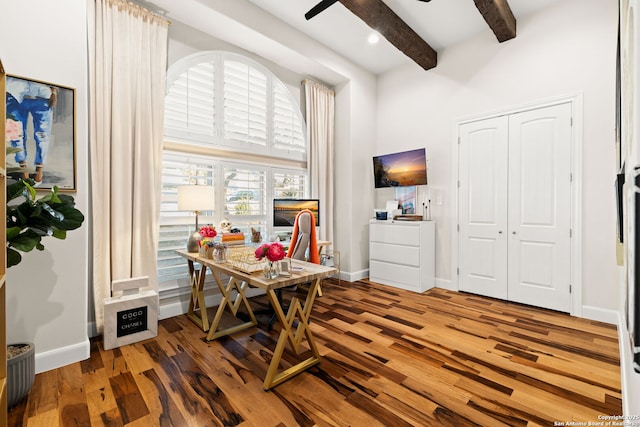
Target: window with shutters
179, 169
232, 124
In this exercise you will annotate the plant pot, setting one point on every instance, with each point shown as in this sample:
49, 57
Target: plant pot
21, 368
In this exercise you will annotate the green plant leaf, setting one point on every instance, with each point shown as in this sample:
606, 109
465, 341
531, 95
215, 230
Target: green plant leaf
13, 257
25, 241
59, 234
12, 232
29, 219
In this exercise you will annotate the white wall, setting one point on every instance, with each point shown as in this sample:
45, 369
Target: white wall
567, 48
47, 292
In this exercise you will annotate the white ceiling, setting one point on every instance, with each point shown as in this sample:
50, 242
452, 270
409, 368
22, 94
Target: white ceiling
441, 23
278, 31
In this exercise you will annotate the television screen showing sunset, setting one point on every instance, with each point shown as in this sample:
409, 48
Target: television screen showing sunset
401, 169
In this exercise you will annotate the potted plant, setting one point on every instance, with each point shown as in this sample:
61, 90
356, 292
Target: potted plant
29, 219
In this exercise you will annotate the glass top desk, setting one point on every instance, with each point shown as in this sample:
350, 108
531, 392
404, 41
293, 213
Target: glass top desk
295, 323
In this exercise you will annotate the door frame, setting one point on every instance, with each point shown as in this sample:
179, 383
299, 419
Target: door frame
576, 102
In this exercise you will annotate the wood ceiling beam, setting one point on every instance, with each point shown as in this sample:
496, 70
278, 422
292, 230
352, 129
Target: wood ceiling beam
377, 15
499, 17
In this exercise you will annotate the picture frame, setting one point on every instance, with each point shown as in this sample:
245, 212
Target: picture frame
406, 197
41, 122
285, 267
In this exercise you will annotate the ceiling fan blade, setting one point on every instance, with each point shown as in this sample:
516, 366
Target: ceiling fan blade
319, 8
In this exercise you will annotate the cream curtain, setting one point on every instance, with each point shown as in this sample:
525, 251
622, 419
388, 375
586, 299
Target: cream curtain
319, 107
127, 88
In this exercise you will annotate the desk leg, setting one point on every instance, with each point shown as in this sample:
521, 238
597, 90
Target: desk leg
196, 303
240, 287
293, 335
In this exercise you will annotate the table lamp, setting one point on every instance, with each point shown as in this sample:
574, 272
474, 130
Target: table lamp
195, 198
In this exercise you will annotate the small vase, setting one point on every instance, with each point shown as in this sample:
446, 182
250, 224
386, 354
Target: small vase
271, 269
220, 253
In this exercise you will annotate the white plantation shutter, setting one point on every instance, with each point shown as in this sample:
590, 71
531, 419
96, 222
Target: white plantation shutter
176, 226
288, 132
246, 184
289, 184
190, 103
245, 103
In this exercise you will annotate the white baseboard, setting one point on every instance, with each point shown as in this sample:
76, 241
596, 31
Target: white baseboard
354, 276
446, 284
600, 314
59, 357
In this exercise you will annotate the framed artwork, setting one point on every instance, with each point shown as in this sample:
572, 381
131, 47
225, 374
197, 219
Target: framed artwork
406, 197
41, 127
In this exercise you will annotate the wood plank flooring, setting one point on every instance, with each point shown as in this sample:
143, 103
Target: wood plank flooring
390, 358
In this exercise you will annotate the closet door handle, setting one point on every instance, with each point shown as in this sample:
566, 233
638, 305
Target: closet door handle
500, 232
513, 232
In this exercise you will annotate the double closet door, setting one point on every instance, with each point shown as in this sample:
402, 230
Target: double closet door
514, 200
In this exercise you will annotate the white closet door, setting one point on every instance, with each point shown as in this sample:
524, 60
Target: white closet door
540, 207
482, 205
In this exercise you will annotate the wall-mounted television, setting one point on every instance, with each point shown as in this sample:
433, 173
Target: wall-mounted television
403, 169
285, 210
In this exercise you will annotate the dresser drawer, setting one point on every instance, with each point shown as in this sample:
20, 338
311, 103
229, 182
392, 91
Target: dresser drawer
406, 255
395, 234
401, 276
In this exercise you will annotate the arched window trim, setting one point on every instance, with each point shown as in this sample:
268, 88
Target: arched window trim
218, 140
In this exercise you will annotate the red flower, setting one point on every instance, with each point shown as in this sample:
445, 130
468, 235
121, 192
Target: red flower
273, 251
208, 231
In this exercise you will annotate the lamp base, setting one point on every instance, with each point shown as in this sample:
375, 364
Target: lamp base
192, 243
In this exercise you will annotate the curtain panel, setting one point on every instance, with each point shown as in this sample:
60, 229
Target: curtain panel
127, 88
319, 107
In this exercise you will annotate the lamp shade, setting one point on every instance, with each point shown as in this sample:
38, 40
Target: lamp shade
195, 198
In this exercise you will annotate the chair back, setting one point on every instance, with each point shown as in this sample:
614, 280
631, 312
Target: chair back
303, 238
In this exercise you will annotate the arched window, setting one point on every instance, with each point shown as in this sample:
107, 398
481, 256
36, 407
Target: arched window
232, 124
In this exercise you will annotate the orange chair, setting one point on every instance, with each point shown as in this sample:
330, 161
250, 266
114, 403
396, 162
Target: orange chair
303, 246
304, 243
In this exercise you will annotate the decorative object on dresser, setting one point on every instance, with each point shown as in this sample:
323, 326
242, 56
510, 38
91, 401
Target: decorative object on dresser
402, 254
408, 217
195, 198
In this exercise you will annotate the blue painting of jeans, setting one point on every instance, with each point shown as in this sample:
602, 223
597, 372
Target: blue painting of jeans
42, 114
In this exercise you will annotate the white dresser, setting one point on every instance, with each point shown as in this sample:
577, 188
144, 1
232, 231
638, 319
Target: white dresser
402, 254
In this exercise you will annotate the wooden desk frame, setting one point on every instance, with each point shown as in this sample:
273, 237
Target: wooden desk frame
295, 323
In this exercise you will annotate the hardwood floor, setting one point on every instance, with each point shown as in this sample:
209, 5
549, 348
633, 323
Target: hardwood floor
390, 358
